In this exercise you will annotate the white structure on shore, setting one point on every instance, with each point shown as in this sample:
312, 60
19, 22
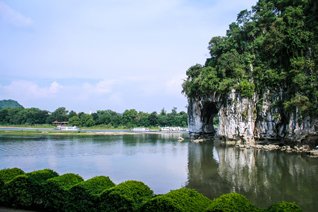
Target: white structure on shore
140, 129
67, 128
173, 129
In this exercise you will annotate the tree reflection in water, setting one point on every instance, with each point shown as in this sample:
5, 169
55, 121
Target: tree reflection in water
263, 177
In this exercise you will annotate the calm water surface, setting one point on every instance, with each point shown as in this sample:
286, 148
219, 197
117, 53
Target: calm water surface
163, 163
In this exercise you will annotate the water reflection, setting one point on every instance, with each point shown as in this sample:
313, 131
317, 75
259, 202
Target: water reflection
264, 177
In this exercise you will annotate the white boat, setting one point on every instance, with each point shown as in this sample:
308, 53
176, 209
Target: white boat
140, 129
173, 129
67, 128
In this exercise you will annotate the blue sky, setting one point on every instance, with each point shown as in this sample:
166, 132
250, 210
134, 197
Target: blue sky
106, 54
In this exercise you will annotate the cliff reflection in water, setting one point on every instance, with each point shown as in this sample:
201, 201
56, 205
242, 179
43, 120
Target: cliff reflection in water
263, 177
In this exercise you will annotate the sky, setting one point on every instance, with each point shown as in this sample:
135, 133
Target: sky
106, 54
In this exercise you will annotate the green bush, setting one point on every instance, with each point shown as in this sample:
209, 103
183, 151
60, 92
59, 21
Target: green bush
39, 179
284, 207
231, 202
1, 192
18, 192
1, 184
66, 181
84, 196
41, 176
183, 199
8, 174
127, 196
56, 195
161, 203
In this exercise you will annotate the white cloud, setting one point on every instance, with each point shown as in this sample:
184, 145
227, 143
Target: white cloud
14, 17
100, 88
174, 85
22, 89
54, 87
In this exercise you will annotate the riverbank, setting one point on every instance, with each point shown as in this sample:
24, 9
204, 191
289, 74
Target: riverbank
18, 131
301, 149
305, 149
49, 126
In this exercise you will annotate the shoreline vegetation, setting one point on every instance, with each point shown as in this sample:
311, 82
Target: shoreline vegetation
46, 190
130, 118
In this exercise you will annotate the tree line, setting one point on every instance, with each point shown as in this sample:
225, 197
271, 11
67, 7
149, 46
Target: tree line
107, 118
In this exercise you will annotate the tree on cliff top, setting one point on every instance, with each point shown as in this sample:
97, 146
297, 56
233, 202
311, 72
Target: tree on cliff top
273, 46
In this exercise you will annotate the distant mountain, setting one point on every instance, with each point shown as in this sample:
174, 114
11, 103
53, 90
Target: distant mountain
9, 104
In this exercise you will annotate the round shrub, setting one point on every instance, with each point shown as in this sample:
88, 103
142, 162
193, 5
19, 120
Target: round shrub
284, 207
161, 203
19, 192
231, 202
8, 174
84, 196
41, 176
66, 181
183, 199
39, 179
126, 196
56, 195
96, 185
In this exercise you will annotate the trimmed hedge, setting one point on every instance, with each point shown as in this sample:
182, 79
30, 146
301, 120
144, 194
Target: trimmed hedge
66, 181
231, 202
284, 207
41, 176
39, 179
183, 199
8, 174
56, 195
44, 190
85, 195
96, 185
126, 196
18, 192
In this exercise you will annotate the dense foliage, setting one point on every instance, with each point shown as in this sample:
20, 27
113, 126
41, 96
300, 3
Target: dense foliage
41, 176
106, 118
9, 104
8, 174
127, 196
284, 207
183, 199
44, 190
272, 47
85, 195
232, 202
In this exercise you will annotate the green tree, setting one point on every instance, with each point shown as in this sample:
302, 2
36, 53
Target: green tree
75, 121
86, 120
60, 114
129, 118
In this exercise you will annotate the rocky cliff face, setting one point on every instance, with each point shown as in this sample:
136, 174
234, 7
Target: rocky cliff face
248, 119
201, 114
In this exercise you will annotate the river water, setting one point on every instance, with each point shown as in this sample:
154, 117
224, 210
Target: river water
164, 164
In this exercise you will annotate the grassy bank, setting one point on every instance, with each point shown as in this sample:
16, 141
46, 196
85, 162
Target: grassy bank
95, 127
60, 133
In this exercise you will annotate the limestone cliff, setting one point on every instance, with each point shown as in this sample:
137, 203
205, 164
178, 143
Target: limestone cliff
260, 79
250, 119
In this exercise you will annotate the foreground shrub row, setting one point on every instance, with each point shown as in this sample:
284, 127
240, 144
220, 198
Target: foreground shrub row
45, 190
